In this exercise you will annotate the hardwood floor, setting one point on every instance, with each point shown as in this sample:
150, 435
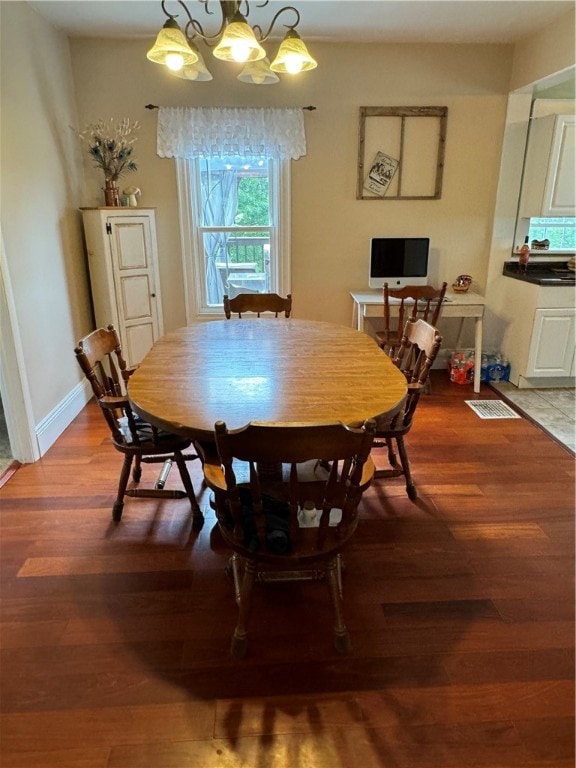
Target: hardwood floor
115, 639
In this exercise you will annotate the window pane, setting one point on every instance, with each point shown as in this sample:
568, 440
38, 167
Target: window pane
560, 231
236, 262
234, 190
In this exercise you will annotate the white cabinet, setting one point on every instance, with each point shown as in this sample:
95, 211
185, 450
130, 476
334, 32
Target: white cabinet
552, 343
548, 185
123, 262
539, 334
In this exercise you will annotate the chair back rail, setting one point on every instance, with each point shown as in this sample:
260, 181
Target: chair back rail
257, 303
415, 301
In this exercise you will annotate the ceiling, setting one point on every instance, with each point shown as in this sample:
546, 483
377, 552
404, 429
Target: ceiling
435, 21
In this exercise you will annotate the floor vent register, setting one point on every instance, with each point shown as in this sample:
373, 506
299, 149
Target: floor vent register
492, 409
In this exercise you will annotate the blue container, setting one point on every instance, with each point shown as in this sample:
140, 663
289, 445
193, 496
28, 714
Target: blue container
494, 368
498, 372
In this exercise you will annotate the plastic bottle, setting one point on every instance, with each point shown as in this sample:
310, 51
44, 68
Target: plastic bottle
524, 256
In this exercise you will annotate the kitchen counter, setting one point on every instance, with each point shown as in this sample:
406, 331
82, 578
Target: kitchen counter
540, 273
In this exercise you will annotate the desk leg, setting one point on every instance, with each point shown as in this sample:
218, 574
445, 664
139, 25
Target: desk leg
355, 316
477, 353
358, 316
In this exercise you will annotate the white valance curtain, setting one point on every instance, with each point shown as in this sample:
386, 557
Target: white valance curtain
188, 132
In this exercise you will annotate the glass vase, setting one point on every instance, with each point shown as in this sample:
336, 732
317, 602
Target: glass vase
111, 193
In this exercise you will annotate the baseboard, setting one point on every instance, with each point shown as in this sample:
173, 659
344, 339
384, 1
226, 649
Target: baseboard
52, 425
545, 382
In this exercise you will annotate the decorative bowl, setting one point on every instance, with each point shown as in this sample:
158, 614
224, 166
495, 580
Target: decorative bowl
462, 283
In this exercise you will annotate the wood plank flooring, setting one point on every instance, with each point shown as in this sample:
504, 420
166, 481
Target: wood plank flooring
115, 639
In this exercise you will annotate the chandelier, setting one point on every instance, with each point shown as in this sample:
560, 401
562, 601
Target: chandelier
234, 41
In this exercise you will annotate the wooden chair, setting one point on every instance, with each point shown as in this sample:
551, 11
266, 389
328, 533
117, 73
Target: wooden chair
286, 527
417, 351
257, 302
422, 301
100, 357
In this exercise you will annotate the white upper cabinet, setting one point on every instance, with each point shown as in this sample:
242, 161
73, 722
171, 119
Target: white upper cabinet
548, 186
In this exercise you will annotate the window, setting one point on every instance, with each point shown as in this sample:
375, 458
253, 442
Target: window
235, 228
560, 231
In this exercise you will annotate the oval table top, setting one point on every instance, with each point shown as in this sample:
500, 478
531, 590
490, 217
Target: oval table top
271, 370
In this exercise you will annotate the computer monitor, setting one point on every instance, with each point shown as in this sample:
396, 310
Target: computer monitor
398, 261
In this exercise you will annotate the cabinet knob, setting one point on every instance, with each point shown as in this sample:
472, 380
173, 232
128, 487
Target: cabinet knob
153, 295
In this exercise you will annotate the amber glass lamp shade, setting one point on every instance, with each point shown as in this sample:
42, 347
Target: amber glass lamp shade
238, 42
258, 73
293, 56
198, 71
171, 48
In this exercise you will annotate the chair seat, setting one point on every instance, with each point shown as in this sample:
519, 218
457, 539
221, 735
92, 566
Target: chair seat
163, 442
276, 512
389, 338
150, 438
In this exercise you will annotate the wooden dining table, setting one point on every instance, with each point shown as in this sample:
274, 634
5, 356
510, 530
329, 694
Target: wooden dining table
273, 370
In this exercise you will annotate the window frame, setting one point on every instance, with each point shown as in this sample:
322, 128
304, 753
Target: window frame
191, 238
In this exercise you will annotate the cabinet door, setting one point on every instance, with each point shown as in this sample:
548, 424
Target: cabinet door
552, 345
132, 241
548, 186
559, 194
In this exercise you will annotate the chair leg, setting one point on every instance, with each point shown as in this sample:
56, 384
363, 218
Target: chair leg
342, 641
122, 484
392, 455
233, 568
187, 483
137, 471
410, 487
240, 636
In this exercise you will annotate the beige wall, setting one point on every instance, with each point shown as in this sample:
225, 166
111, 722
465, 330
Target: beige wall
40, 189
549, 51
330, 228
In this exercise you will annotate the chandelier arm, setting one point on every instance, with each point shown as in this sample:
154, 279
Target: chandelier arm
288, 26
263, 4
167, 13
193, 24
199, 31
205, 4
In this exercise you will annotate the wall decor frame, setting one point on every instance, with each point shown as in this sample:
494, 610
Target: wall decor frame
412, 143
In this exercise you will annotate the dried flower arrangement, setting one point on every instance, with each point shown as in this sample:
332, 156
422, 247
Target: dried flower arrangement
110, 146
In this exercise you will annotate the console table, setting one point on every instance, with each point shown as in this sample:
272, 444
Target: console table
462, 305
